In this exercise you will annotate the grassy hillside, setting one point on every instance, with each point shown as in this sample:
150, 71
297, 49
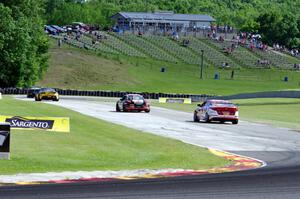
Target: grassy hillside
80, 69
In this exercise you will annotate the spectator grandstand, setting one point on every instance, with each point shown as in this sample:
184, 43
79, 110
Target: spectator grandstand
217, 58
116, 43
174, 48
218, 51
147, 47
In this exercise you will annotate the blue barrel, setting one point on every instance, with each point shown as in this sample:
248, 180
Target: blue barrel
216, 76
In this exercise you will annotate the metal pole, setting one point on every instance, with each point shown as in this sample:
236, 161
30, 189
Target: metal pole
201, 69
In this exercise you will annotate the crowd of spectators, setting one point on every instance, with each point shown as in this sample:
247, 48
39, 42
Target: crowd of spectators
222, 29
293, 52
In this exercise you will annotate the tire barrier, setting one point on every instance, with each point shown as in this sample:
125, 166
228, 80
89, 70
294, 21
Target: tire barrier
147, 95
194, 97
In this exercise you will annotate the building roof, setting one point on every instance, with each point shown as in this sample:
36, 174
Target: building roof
165, 16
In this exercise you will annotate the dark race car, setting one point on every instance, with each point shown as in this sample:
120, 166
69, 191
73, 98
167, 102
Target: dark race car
132, 102
217, 110
32, 91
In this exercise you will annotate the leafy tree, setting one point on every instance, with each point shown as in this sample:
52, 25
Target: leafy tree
278, 28
23, 44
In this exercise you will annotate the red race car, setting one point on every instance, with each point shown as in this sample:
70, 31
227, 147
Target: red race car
132, 102
217, 110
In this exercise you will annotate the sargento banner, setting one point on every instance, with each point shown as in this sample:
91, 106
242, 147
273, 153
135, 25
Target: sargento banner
60, 124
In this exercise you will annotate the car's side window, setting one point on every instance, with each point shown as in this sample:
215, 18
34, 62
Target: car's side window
207, 104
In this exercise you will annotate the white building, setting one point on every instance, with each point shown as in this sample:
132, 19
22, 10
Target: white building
161, 20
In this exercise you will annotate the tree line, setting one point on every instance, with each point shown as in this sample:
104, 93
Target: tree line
278, 21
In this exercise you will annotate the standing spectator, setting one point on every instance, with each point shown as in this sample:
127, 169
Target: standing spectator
59, 43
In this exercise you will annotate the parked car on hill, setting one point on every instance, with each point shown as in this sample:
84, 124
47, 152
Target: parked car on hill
132, 102
50, 30
32, 91
217, 110
47, 93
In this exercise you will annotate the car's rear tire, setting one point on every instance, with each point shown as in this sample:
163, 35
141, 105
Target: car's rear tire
36, 98
235, 122
206, 119
196, 119
147, 111
117, 108
56, 99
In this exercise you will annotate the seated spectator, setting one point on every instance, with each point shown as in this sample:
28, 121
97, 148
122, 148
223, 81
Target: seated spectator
221, 39
185, 42
225, 65
251, 46
228, 50
264, 62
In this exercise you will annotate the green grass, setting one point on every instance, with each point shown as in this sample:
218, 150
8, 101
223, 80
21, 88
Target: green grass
275, 111
93, 144
72, 68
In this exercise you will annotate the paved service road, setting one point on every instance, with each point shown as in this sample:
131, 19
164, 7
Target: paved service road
279, 147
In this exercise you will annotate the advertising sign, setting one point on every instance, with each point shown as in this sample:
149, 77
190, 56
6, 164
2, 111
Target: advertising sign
175, 100
4, 140
60, 124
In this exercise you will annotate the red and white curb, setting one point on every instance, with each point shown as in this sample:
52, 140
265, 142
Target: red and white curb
239, 163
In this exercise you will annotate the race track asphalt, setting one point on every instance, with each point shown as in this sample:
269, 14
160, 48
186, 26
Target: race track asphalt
265, 183
278, 147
